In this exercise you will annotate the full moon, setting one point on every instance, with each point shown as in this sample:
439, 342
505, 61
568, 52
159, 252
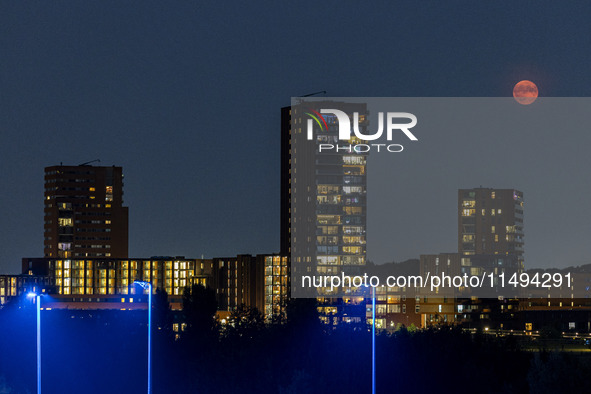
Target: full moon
525, 92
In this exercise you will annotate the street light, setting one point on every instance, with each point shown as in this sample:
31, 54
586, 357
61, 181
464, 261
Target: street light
38, 302
373, 341
148, 286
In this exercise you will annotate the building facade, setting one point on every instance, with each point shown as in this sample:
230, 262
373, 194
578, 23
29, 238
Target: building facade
490, 222
323, 205
84, 212
323, 194
15, 286
255, 281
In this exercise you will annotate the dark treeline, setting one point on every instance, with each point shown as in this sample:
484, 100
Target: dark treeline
105, 351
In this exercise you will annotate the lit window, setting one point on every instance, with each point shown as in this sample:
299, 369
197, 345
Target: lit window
65, 222
468, 212
468, 203
109, 193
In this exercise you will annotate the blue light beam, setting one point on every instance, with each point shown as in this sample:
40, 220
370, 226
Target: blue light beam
148, 286
373, 341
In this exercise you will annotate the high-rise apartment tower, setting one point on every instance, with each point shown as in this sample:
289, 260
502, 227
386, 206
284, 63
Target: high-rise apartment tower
490, 222
84, 212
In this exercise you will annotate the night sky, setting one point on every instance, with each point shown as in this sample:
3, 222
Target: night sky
186, 97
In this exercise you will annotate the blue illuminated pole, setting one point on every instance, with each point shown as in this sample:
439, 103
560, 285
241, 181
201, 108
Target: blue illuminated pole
149, 338
38, 300
148, 286
373, 341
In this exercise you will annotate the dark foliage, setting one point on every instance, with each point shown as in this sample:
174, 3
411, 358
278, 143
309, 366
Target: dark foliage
97, 352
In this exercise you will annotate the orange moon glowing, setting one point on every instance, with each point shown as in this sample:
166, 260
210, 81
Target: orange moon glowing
525, 92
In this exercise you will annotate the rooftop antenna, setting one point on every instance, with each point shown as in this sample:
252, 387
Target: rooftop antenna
89, 162
323, 92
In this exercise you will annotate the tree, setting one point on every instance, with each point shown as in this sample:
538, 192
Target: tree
199, 310
302, 315
245, 321
162, 314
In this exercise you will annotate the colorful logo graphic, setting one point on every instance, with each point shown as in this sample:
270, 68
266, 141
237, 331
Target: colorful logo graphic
317, 117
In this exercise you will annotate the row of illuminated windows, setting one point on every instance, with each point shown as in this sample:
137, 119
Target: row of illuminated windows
327, 260
334, 230
182, 265
328, 230
472, 211
359, 160
275, 280
355, 240
102, 273
334, 240
328, 199
276, 270
63, 222
275, 260
468, 212
8, 292
354, 170
271, 299
353, 260
275, 289
353, 189
468, 203
328, 189
380, 323
356, 259
514, 229
66, 287
328, 219
327, 270
353, 249
353, 230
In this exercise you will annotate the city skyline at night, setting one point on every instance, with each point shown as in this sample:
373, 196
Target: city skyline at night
101, 84
295, 197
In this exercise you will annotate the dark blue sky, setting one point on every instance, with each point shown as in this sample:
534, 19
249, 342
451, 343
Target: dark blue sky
186, 97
